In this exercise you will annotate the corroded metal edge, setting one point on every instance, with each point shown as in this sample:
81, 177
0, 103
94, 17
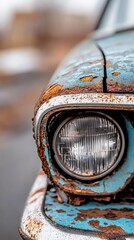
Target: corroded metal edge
83, 100
35, 226
113, 219
110, 185
76, 101
23, 235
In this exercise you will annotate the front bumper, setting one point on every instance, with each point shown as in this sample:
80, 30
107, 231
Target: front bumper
36, 226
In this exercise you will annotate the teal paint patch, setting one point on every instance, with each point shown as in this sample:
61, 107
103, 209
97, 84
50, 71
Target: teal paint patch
119, 54
111, 183
62, 182
82, 217
86, 59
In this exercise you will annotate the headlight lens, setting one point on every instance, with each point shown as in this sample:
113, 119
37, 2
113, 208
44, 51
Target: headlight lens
88, 147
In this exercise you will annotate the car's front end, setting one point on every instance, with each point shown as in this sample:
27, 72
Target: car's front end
84, 130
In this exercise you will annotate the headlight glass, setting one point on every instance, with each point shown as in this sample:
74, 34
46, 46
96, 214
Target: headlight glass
88, 147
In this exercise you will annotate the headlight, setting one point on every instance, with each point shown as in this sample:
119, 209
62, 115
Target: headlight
88, 146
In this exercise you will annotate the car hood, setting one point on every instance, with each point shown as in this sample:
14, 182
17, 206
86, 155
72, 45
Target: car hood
105, 65
82, 69
119, 61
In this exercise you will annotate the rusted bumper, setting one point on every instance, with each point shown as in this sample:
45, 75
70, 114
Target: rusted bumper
36, 225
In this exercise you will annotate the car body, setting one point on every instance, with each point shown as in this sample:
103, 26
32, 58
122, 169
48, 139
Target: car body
91, 92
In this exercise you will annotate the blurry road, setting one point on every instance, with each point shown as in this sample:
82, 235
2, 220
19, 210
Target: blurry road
19, 163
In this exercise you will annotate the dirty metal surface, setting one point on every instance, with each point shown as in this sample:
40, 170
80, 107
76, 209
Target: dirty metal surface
119, 54
84, 101
111, 219
81, 72
84, 66
34, 224
111, 184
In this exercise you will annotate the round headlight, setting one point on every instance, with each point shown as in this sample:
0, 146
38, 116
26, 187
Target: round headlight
88, 147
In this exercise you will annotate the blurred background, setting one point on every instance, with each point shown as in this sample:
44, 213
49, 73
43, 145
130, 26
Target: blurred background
35, 35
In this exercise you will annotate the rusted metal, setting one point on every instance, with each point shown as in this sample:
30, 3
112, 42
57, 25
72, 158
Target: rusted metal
36, 226
85, 60
110, 185
126, 196
110, 231
85, 101
111, 220
78, 84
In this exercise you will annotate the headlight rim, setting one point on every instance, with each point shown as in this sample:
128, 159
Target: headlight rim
98, 176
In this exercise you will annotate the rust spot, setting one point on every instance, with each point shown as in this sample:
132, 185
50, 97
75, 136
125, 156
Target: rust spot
53, 89
87, 78
102, 199
109, 64
37, 191
107, 231
110, 213
60, 200
60, 211
58, 90
33, 227
76, 200
116, 74
94, 223
50, 217
41, 173
118, 87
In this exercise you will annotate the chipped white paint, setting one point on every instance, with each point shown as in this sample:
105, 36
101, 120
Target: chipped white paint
88, 101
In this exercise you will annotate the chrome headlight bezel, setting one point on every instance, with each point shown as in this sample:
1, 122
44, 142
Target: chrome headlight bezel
95, 177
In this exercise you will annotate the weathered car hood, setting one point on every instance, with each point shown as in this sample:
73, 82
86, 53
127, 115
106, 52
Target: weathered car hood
119, 53
81, 72
105, 65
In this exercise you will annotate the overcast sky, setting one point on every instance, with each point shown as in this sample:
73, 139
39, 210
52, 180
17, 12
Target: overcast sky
8, 7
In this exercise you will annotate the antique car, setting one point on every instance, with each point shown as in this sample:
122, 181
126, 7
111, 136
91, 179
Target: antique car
84, 130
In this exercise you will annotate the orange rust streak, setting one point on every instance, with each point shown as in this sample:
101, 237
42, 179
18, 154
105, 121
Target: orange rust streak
109, 64
116, 74
87, 78
38, 191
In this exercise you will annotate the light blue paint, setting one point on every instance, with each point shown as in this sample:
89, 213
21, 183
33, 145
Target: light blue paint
62, 182
86, 59
119, 51
69, 213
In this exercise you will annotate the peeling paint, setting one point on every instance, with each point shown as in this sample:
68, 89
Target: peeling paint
119, 52
35, 225
116, 74
87, 78
113, 218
